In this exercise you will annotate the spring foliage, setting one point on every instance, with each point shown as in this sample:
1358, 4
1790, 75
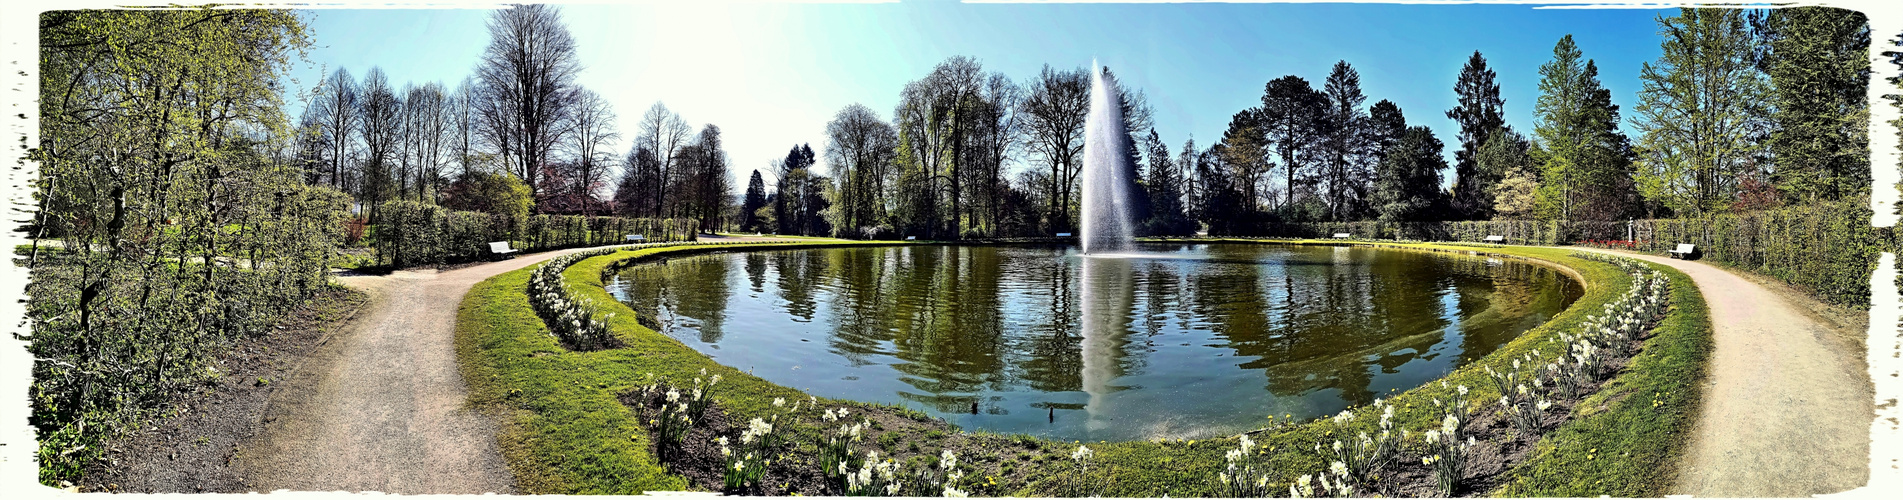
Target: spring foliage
169, 222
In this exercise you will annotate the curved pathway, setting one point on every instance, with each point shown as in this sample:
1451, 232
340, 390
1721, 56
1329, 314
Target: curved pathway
382, 406
1788, 402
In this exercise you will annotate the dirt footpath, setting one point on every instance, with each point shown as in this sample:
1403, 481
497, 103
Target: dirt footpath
382, 407
1788, 403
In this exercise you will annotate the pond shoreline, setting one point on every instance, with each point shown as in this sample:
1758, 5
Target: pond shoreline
1154, 468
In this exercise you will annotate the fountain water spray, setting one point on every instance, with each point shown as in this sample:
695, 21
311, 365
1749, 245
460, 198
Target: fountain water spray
1107, 204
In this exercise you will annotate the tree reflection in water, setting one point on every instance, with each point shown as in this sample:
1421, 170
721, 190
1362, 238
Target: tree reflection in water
1180, 341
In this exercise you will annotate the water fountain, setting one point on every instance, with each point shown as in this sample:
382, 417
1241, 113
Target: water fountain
1107, 203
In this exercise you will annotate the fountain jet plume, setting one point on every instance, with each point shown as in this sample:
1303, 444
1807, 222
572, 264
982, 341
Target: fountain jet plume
1107, 203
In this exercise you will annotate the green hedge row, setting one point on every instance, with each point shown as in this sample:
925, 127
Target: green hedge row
1828, 249
409, 233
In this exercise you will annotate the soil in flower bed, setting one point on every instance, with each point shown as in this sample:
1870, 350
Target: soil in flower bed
195, 449
907, 437
1497, 446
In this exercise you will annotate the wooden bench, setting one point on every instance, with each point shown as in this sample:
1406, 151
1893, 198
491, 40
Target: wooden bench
637, 238
1342, 235
1494, 238
1684, 251
501, 248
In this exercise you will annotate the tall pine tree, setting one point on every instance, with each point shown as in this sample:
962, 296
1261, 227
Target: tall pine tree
1478, 114
756, 198
1407, 181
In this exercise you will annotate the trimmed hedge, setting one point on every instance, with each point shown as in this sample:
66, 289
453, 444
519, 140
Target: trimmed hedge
1828, 249
410, 233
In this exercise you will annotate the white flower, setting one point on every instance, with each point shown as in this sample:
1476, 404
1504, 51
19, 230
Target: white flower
1083, 453
1338, 469
1463, 390
715, 380
951, 492
946, 460
1544, 404
829, 417
1432, 436
779, 402
673, 395
1449, 425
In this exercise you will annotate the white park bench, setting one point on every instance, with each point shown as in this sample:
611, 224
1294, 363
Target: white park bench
1684, 251
911, 238
1494, 238
637, 237
1063, 235
501, 248
1342, 235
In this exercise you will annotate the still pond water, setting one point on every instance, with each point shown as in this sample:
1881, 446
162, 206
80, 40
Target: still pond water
1174, 341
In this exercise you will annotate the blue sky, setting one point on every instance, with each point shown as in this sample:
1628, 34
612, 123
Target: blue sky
771, 76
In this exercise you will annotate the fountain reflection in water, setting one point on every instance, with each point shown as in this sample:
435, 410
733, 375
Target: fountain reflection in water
1108, 223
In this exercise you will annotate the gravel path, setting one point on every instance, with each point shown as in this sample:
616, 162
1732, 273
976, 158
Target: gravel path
1788, 403
382, 407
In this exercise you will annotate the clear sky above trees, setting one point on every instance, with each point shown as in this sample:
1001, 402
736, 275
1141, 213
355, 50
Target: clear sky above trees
773, 75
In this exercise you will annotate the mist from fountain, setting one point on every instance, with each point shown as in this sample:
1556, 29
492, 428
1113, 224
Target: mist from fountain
1108, 224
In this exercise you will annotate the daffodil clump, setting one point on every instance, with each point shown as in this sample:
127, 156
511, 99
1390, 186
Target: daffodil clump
835, 449
887, 477
1247, 473
1447, 453
677, 411
1083, 457
748, 465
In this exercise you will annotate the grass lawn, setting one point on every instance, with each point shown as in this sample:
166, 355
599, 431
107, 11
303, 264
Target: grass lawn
566, 429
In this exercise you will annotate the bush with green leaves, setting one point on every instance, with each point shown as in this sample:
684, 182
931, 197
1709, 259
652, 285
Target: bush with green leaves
167, 223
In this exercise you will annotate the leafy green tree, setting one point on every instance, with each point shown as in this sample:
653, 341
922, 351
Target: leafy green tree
1407, 180
1480, 112
1819, 67
498, 193
1515, 197
1587, 174
181, 228
1700, 112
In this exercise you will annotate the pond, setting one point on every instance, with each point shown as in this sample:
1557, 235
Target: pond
1173, 341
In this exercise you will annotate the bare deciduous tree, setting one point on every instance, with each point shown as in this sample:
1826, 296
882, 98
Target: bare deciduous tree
527, 82
1054, 110
591, 131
